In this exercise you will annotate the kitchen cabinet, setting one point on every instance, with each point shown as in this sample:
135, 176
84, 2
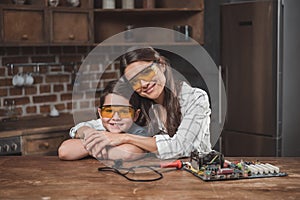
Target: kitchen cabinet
37, 23
44, 143
18, 26
34, 136
78, 27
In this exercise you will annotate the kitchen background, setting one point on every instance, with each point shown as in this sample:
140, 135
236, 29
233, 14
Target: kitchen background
53, 84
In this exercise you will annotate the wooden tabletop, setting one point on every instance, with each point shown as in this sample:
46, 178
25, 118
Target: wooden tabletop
27, 177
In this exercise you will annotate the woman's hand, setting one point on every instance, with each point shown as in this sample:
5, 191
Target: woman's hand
97, 141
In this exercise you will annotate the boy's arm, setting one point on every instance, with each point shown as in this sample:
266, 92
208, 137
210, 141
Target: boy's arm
72, 149
99, 147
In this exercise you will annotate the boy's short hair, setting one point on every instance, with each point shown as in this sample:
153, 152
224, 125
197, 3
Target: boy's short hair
122, 88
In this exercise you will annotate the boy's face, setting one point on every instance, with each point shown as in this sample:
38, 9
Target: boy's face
119, 121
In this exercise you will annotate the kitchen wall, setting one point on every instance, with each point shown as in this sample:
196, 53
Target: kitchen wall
53, 85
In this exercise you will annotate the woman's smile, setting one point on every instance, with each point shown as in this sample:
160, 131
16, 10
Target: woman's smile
149, 88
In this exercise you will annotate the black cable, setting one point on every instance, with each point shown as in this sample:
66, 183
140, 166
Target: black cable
131, 169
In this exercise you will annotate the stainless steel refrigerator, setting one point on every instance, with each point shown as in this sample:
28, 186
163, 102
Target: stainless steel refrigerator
260, 56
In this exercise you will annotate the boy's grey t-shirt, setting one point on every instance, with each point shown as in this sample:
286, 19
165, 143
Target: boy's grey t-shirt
97, 124
137, 130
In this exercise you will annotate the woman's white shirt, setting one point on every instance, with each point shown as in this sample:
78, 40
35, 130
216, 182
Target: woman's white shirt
194, 130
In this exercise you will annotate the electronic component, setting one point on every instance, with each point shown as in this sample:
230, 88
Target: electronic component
201, 159
212, 167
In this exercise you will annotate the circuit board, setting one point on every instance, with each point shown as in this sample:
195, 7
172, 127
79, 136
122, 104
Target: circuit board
213, 167
231, 176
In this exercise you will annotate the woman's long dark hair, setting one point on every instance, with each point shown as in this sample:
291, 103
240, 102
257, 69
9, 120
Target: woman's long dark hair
171, 102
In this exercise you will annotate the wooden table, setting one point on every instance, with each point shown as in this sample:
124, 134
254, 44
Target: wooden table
49, 178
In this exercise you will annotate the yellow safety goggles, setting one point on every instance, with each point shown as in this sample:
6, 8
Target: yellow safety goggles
123, 111
146, 74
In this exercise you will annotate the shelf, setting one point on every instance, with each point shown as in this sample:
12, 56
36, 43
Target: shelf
14, 44
11, 65
154, 10
71, 9
36, 66
30, 3
21, 7
150, 43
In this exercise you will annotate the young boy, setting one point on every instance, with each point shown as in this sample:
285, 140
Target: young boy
116, 114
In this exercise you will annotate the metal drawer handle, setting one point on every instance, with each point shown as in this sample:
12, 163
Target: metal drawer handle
24, 37
44, 145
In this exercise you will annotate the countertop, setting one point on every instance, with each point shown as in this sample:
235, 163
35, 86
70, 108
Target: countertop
36, 125
24, 177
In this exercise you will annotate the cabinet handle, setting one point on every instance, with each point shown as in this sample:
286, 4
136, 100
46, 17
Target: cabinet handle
24, 37
71, 37
44, 145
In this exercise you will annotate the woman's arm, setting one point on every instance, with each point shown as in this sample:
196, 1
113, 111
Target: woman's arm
146, 143
127, 152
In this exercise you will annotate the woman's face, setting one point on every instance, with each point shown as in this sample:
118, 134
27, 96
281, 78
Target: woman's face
116, 114
147, 79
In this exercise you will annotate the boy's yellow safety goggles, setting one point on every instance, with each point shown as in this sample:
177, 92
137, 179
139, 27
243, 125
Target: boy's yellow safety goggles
123, 111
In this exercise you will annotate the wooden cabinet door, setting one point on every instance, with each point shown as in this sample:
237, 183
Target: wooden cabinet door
43, 144
23, 26
70, 27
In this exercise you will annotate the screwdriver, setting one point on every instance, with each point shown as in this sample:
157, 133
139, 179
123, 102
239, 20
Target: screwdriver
178, 164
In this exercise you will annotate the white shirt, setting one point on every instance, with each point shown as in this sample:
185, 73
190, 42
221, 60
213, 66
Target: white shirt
193, 132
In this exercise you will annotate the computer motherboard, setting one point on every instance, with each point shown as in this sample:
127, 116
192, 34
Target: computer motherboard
213, 167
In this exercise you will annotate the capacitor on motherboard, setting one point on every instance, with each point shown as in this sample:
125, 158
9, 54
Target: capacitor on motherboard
266, 169
274, 167
260, 170
252, 169
270, 169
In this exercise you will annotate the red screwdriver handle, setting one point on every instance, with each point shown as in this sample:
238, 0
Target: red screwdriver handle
178, 164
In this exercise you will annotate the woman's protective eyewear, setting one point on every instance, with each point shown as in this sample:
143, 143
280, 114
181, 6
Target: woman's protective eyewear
123, 111
146, 74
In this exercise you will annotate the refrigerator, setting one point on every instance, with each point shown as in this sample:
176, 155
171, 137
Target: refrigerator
260, 67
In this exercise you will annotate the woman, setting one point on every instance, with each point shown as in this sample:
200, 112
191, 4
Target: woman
181, 113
